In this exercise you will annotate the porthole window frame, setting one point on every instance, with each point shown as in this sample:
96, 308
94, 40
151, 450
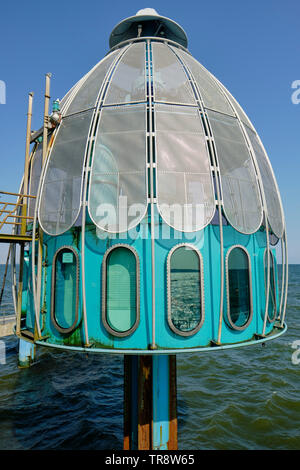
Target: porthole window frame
228, 317
272, 260
109, 329
52, 313
201, 287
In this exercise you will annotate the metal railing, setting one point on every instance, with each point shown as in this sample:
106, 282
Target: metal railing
15, 213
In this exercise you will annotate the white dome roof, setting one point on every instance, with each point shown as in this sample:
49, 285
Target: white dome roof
199, 133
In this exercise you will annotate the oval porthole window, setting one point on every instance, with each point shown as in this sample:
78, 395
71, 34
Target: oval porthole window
239, 305
65, 280
272, 305
185, 306
120, 291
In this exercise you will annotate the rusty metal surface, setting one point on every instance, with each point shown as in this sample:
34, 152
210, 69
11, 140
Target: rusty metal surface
139, 391
127, 407
145, 403
173, 425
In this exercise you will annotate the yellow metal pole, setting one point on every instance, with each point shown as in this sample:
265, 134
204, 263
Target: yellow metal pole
24, 212
46, 116
26, 168
14, 194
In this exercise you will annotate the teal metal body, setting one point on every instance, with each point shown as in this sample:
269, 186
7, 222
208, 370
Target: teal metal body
207, 242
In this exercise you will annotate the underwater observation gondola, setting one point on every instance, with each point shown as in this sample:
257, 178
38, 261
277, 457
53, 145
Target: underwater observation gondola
157, 218
158, 207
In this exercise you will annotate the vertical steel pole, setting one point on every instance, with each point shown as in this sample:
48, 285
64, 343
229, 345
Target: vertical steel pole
152, 198
26, 168
286, 267
150, 409
164, 406
40, 239
24, 212
46, 116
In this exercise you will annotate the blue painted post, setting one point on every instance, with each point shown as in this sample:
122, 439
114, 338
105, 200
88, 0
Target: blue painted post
26, 353
162, 399
150, 415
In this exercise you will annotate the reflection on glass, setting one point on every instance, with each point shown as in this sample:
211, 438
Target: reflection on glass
185, 291
61, 190
117, 194
239, 288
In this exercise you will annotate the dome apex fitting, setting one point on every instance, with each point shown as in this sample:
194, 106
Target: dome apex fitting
147, 23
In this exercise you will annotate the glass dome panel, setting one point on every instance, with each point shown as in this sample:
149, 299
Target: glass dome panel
273, 201
128, 80
61, 189
118, 191
211, 94
65, 99
185, 192
87, 93
241, 198
171, 84
239, 111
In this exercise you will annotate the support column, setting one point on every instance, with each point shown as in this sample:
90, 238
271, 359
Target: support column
150, 411
26, 353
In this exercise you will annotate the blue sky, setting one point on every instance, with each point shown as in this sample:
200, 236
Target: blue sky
252, 47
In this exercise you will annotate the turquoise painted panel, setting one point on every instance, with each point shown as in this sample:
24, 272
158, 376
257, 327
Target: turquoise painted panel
27, 297
207, 242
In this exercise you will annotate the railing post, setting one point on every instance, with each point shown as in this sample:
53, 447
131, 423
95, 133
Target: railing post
24, 213
26, 168
40, 238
